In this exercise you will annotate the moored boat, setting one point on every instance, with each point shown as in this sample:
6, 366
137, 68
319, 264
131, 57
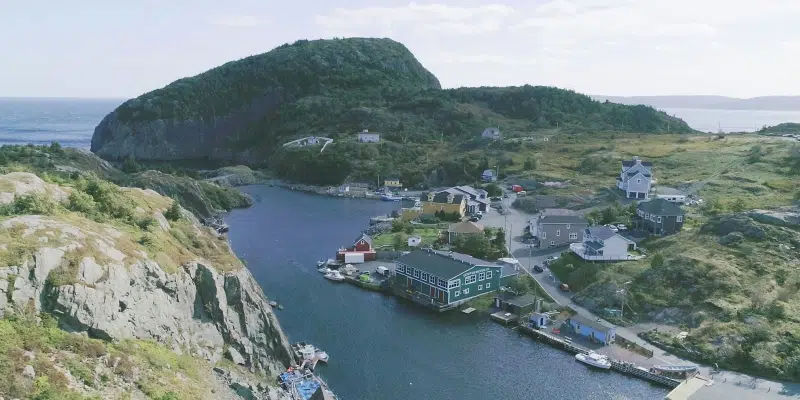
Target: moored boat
335, 276
594, 359
390, 197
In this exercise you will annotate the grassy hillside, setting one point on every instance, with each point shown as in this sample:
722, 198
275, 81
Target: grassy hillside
336, 88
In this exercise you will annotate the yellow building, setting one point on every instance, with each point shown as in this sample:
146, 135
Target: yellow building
443, 201
392, 183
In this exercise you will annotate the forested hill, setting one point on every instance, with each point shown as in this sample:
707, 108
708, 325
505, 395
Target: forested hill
243, 110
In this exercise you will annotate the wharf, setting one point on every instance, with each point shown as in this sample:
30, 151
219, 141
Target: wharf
504, 317
619, 366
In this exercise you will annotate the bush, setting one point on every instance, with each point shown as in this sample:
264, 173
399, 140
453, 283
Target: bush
81, 202
174, 211
31, 203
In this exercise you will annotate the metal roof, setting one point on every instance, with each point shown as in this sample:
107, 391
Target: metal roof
442, 264
365, 237
660, 207
599, 326
561, 216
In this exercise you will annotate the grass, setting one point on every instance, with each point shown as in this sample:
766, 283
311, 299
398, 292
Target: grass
428, 236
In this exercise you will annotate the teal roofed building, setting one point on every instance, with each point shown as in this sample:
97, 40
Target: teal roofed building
444, 280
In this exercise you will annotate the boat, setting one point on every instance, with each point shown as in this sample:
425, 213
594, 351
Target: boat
324, 270
273, 303
382, 270
675, 368
594, 359
321, 263
391, 197
335, 276
321, 355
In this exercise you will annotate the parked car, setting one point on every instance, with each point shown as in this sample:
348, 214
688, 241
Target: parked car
622, 227
474, 219
479, 213
496, 198
613, 228
538, 268
564, 287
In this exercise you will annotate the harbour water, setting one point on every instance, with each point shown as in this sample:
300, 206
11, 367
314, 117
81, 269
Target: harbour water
381, 348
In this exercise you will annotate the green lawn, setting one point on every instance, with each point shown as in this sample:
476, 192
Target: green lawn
428, 236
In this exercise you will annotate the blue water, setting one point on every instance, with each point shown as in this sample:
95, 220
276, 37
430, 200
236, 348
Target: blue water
381, 348
70, 122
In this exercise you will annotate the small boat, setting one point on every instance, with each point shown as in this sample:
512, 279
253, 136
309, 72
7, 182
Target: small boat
335, 276
324, 270
675, 368
382, 270
321, 263
273, 303
391, 197
321, 355
594, 359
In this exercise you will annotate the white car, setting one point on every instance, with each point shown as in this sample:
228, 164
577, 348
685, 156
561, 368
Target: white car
613, 228
622, 227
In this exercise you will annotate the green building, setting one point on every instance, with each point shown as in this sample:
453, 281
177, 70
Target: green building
443, 280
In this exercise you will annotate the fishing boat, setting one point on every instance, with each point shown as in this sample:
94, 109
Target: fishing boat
594, 359
335, 276
321, 263
675, 368
321, 355
391, 197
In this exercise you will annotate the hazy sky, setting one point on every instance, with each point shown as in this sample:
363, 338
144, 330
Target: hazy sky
94, 48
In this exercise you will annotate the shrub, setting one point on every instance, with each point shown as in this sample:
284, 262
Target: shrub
174, 211
32, 203
81, 202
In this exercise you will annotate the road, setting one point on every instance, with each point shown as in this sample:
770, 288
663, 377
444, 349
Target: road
514, 221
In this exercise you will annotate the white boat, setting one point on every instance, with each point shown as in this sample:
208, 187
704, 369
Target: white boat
382, 270
335, 276
321, 263
321, 355
594, 359
390, 197
324, 270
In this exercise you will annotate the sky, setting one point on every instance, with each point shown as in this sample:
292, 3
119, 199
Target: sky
112, 49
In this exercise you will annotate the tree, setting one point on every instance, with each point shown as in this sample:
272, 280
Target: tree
738, 205
499, 239
399, 241
477, 246
530, 164
174, 211
130, 165
657, 261
493, 190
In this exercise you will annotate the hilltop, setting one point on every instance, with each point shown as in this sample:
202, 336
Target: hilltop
243, 111
788, 103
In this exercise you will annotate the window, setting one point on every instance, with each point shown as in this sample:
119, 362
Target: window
659, 219
424, 276
409, 270
639, 180
680, 218
544, 235
416, 273
488, 284
480, 287
573, 236
568, 226
558, 232
454, 284
432, 279
552, 243
400, 268
482, 276
470, 279
646, 216
442, 283
457, 293
466, 291
488, 274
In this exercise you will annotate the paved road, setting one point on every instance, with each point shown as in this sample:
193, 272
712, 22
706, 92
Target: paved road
514, 221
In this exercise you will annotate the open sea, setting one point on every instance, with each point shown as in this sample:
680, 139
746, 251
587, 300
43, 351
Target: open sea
380, 348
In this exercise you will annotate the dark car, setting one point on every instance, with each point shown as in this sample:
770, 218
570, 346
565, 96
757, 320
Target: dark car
474, 219
538, 268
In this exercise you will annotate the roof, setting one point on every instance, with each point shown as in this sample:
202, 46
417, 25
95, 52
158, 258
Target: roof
669, 191
465, 227
365, 237
630, 163
634, 173
442, 264
467, 189
508, 270
660, 207
602, 232
561, 216
392, 179
488, 172
368, 133
522, 301
441, 197
593, 323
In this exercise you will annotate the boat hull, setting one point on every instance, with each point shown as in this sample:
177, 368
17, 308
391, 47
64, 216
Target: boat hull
585, 359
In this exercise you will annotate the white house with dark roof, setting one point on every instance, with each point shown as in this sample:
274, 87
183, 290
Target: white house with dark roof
636, 178
557, 226
477, 199
671, 195
491, 133
600, 243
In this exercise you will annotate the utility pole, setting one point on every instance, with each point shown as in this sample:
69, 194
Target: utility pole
624, 295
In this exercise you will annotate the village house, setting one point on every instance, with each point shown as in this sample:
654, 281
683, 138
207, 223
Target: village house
477, 199
636, 178
600, 243
361, 251
557, 227
392, 183
659, 217
491, 133
670, 194
443, 201
594, 330
444, 280
488, 176
463, 228
368, 137
414, 241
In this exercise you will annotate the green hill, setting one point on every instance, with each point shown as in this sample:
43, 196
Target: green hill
243, 111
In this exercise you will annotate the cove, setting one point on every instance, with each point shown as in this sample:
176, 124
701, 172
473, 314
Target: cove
385, 349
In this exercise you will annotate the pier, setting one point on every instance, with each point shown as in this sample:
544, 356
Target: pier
619, 366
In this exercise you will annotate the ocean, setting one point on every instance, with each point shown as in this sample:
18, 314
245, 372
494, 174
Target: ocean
71, 122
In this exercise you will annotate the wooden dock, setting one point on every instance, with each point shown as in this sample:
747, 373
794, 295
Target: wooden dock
504, 317
619, 366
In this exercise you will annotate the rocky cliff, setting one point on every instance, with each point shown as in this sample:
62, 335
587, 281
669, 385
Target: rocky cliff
170, 281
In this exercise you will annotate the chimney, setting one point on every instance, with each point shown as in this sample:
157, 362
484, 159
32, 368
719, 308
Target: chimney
637, 159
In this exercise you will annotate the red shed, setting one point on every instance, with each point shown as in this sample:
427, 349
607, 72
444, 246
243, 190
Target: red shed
363, 244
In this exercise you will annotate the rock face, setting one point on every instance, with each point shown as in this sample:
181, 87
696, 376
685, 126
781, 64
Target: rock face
196, 308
